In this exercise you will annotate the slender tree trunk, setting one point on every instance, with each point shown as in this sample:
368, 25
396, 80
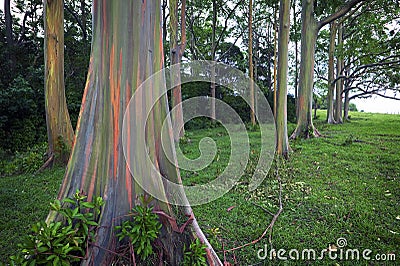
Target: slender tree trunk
315, 107
281, 110
213, 47
256, 58
8, 19
346, 106
275, 57
296, 58
177, 51
305, 127
346, 99
9, 35
251, 68
119, 63
164, 27
83, 18
59, 128
331, 74
339, 83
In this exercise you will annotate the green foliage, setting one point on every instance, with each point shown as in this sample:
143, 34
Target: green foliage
61, 242
22, 116
195, 255
23, 162
353, 107
21, 121
142, 230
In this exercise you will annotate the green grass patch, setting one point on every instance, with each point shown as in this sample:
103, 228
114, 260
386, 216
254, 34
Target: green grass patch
344, 184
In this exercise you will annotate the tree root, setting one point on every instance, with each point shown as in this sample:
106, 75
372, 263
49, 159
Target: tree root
48, 164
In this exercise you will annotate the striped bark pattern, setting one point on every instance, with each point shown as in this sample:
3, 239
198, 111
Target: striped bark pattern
127, 49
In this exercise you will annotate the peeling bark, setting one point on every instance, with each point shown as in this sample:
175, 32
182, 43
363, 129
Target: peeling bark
281, 110
59, 129
119, 63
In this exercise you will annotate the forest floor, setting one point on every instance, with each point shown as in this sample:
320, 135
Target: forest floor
343, 186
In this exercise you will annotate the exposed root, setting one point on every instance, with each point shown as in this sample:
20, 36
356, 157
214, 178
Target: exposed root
305, 132
48, 164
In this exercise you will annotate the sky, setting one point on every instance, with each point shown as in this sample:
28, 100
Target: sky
374, 104
378, 105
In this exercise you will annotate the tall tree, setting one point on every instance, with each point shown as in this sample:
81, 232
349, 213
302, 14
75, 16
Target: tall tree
177, 51
296, 54
251, 68
371, 51
281, 110
59, 129
275, 58
207, 32
119, 63
331, 74
9, 34
8, 20
309, 31
340, 82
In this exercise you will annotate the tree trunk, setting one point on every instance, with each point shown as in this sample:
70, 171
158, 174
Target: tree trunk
177, 51
59, 129
256, 58
305, 127
251, 68
346, 106
331, 75
119, 63
346, 97
213, 47
164, 27
339, 83
9, 35
83, 20
296, 58
275, 57
281, 110
8, 19
309, 31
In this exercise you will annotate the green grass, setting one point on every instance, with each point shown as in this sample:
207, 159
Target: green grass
24, 200
344, 184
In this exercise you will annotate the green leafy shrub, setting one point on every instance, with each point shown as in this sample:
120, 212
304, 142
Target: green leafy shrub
142, 230
195, 255
26, 162
61, 242
22, 121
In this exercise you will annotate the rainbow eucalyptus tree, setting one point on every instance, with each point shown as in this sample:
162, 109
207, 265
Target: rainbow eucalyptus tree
281, 110
340, 82
127, 49
251, 68
309, 32
331, 74
177, 51
59, 128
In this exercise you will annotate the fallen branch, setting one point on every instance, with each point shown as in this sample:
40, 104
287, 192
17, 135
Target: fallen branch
271, 225
47, 164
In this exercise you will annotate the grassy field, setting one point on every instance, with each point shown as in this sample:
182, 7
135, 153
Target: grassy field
342, 185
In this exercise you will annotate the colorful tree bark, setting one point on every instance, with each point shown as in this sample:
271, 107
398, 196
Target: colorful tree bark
251, 68
331, 74
59, 128
281, 110
177, 51
127, 49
